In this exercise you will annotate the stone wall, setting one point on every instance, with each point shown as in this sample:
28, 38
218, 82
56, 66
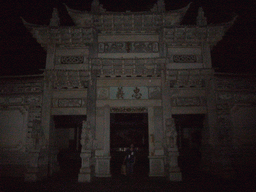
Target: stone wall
232, 148
21, 131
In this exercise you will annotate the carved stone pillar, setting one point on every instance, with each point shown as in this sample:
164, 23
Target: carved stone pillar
156, 152
88, 133
40, 155
209, 134
102, 154
53, 150
86, 171
48, 126
173, 169
170, 134
91, 102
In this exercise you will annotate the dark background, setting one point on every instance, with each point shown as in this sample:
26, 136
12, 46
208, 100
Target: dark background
21, 55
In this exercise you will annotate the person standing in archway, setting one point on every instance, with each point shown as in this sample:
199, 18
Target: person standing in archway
130, 159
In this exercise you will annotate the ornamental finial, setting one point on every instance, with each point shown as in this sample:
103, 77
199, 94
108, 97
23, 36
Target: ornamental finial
201, 20
55, 20
97, 7
159, 7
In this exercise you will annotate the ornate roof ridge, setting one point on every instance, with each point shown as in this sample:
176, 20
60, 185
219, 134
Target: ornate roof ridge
83, 18
75, 11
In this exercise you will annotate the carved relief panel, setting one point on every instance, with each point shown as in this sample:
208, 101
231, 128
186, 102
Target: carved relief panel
188, 101
68, 102
129, 93
128, 47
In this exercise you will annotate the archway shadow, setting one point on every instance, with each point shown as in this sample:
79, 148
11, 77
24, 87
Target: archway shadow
127, 129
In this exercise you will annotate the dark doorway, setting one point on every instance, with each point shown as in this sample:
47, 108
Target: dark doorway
127, 129
67, 137
189, 128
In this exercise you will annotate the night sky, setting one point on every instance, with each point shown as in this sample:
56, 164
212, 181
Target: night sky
21, 55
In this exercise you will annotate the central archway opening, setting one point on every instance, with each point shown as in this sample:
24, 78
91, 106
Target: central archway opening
189, 128
127, 129
68, 130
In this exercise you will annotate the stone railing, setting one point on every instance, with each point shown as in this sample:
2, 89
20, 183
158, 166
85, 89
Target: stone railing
195, 35
21, 84
128, 22
67, 78
188, 77
128, 67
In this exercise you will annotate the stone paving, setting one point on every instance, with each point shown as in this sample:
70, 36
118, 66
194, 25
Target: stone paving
193, 180
68, 182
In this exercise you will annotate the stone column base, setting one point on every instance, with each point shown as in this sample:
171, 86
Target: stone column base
156, 166
85, 175
175, 176
35, 174
32, 175
174, 173
102, 167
